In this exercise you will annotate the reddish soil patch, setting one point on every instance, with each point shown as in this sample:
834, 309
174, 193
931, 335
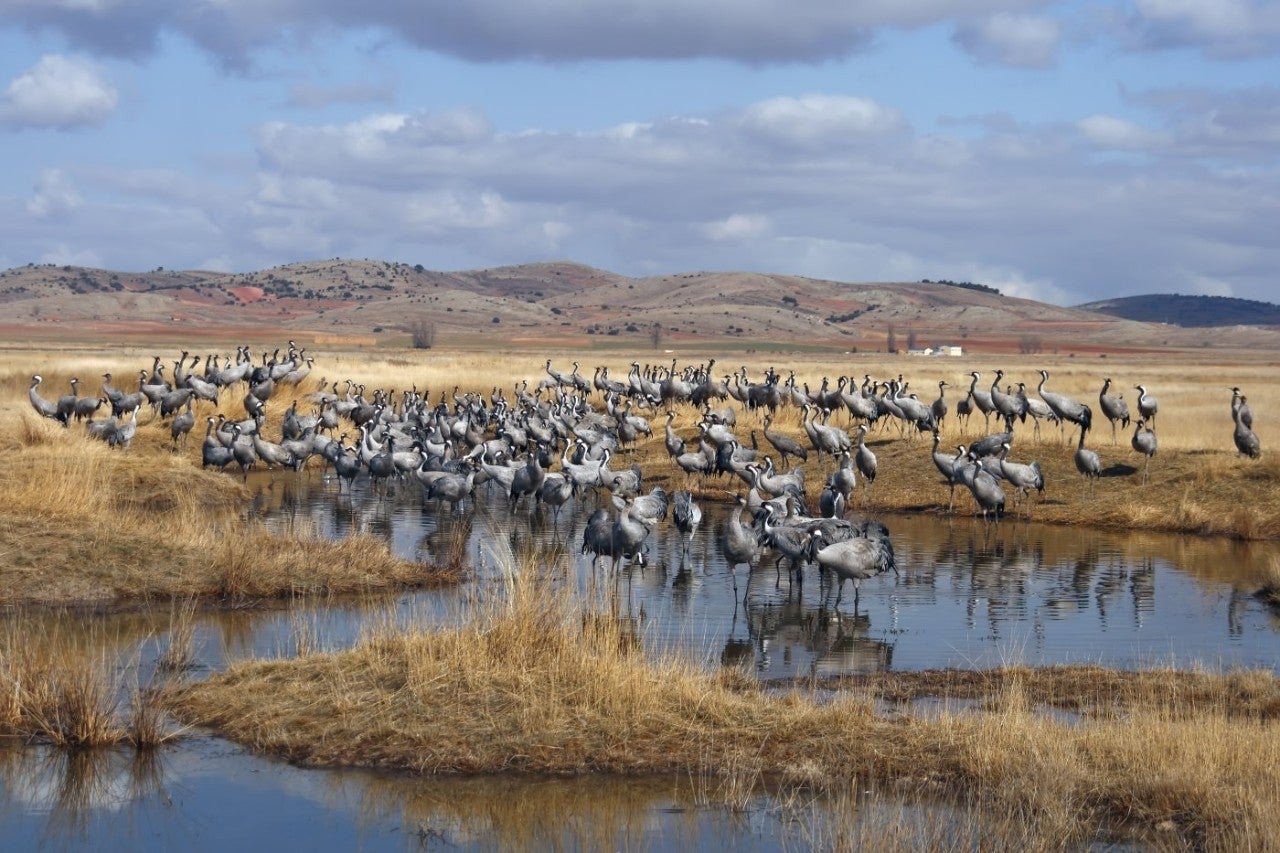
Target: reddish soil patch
247, 293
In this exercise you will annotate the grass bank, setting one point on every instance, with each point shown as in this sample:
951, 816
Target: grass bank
85, 525
535, 685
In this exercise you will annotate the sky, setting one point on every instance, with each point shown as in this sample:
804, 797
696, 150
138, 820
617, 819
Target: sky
1060, 151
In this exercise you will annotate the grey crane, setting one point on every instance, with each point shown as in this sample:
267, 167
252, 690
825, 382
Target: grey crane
651, 508
1087, 461
1148, 405
739, 542
1144, 441
1038, 409
1007, 406
985, 489
790, 541
939, 407
527, 480
1064, 407
212, 452
946, 465
982, 399
844, 478
242, 451
597, 536
865, 459
123, 434
1023, 477
784, 444
1113, 407
454, 488
627, 535
87, 407
1246, 439
44, 408
1238, 403
854, 559
182, 425
555, 492
687, 515
66, 405
274, 455
672, 441
825, 439
831, 501
964, 409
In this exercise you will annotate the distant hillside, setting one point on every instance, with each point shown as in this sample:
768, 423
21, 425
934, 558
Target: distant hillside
372, 301
1193, 312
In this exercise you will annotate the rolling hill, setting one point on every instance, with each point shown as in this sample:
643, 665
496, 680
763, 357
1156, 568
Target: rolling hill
371, 301
1192, 312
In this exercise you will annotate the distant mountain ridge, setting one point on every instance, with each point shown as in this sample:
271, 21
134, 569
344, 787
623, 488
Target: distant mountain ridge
373, 301
1192, 312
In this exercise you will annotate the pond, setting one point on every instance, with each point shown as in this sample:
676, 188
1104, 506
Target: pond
968, 594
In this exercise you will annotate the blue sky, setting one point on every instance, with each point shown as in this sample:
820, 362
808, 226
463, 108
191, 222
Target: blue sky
1062, 151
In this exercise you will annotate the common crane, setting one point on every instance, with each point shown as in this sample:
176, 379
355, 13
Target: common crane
1114, 407
1148, 405
1245, 438
1144, 441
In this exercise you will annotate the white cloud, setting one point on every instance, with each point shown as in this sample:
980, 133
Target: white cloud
1227, 29
739, 226
55, 196
1204, 285
820, 120
1020, 41
61, 254
1104, 131
58, 92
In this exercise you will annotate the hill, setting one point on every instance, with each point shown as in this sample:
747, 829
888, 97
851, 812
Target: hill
1193, 312
370, 301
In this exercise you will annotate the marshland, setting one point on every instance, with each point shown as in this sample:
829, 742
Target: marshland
1094, 662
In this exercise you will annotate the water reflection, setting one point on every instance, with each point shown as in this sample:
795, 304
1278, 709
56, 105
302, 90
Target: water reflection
204, 796
970, 594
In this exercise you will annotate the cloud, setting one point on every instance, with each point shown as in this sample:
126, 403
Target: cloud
1019, 41
827, 185
58, 92
1104, 131
820, 120
737, 227
1222, 29
55, 196
749, 31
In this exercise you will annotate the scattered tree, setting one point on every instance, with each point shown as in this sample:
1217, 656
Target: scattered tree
1030, 344
655, 335
891, 341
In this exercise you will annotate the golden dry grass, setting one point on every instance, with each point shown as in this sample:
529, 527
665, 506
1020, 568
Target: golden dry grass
535, 685
73, 691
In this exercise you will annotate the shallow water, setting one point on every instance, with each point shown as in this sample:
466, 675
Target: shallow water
968, 594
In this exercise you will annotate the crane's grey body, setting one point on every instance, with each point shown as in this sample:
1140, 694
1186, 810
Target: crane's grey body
1245, 438
1144, 442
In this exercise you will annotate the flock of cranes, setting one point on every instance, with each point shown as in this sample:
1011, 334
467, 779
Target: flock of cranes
563, 440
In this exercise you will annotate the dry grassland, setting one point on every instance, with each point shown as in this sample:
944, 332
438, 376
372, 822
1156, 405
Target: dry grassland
534, 685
